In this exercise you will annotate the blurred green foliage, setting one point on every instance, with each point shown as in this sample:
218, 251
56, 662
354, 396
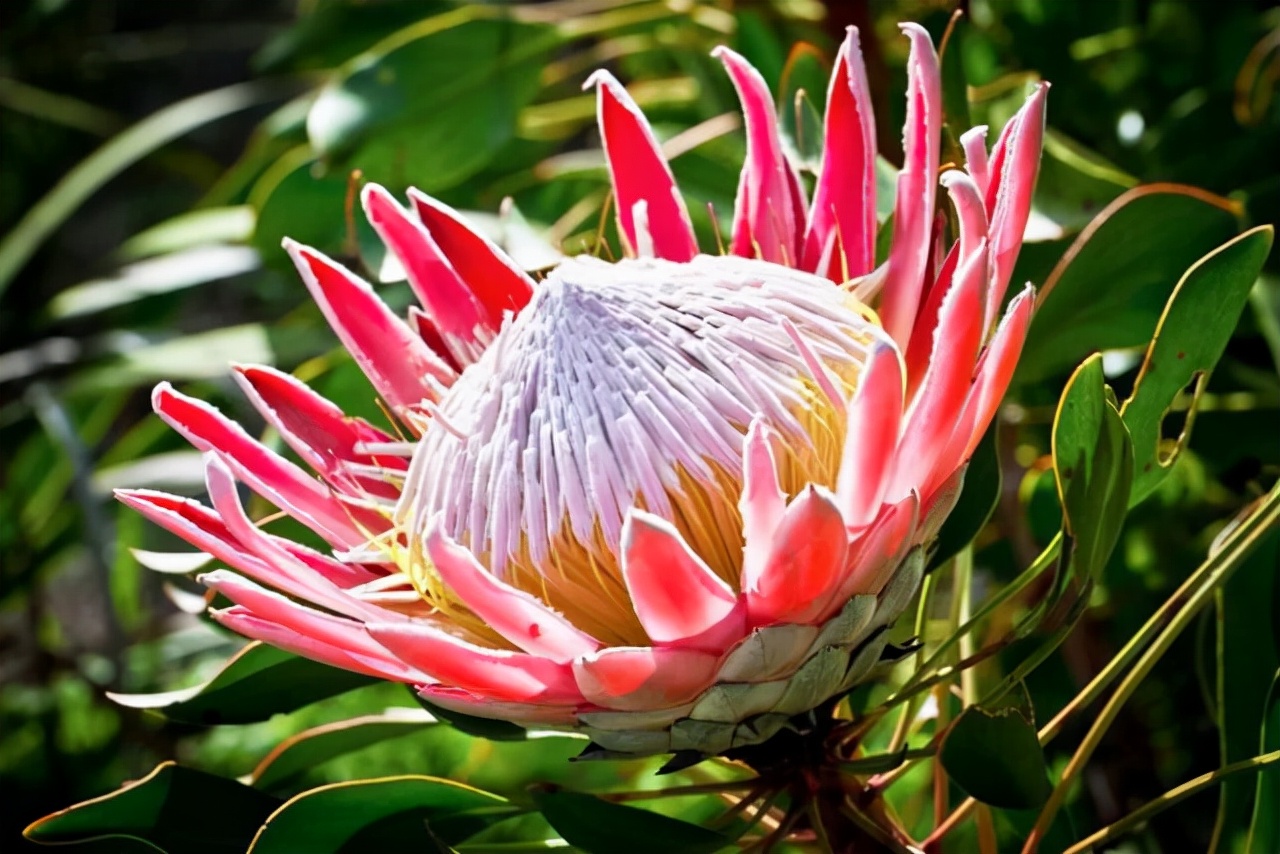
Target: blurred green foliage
152, 157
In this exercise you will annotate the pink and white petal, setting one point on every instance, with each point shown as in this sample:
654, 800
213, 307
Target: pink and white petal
631, 678
464, 325
269, 474
875, 553
288, 573
495, 673
325, 437
974, 143
516, 615
640, 175
871, 435
399, 364
337, 632
931, 417
244, 622
920, 350
992, 377
806, 565
770, 212
678, 599
967, 199
1015, 165
843, 213
420, 322
465, 702
497, 282
762, 503
917, 188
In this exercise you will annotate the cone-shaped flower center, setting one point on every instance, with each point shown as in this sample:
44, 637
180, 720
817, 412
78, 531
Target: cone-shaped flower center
630, 385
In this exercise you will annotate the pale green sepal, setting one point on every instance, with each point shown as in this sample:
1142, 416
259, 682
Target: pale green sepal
653, 719
818, 679
646, 742
849, 626
767, 654
758, 729
901, 589
733, 702
706, 736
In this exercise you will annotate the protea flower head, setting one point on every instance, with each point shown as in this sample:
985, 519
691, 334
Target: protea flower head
671, 501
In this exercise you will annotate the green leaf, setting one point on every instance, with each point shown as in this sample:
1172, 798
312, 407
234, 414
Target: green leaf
200, 227
294, 198
257, 682
1264, 828
1247, 661
996, 758
304, 751
118, 153
1093, 465
801, 96
1192, 334
418, 108
978, 499
389, 815
1108, 290
601, 827
174, 809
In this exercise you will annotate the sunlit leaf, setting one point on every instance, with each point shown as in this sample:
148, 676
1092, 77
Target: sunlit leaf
173, 808
600, 827
1193, 332
256, 683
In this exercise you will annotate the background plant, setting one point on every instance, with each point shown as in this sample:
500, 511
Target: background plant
230, 121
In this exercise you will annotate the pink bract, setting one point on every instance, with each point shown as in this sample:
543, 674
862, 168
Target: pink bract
672, 501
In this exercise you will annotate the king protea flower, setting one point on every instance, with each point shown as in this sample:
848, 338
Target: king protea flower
672, 501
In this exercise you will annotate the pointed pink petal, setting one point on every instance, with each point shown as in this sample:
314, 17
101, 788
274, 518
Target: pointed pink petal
967, 199
974, 143
770, 212
205, 530
875, 554
395, 360
994, 371
497, 282
1015, 165
318, 430
844, 200
806, 565
516, 615
301, 579
917, 188
631, 678
310, 624
497, 673
871, 435
920, 350
640, 174
762, 503
677, 597
470, 703
269, 474
931, 417
420, 322
464, 325
244, 622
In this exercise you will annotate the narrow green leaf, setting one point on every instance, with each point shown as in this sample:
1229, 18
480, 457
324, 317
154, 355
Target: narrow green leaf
385, 814
600, 827
978, 499
1112, 283
1192, 334
256, 683
174, 809
1093, 465
118, 153
1264, 828
996, 758
1247, 660
304, 751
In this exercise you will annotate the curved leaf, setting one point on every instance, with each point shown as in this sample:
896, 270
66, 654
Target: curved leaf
1191, 336
175, 809
996, 758
257, 682
601, 827
387, 814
